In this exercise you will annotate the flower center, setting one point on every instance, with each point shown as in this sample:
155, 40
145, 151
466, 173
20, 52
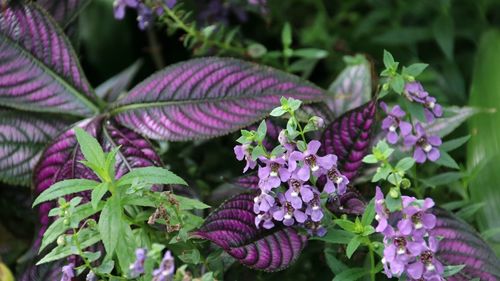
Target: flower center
431, 105
426, 257
422, 142
400, 243
274, 169
392, 128
417, 220
311, 162
295, 184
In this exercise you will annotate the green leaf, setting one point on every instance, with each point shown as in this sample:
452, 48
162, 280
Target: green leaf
278, 111
388, 60
90, 147
370, 159
190, 256
405, 164
257, 152
110, 224
454, 144
333, 263
346, 225
469, 211
261, 131
190, 204
416, 110
97, 194
398, 84
450, 270
310, 53
125, 247
446, 160
351, 274
335, 236
109, 165
415, 69
353, 246
63, 188
151, 175
286, 36
369, 214
443, 179
444, 34
393, 204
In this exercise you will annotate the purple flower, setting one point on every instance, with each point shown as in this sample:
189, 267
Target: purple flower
310, 160
120, 5
273, 173
425, 146
393, 121
144, 16
315, 228
398, 251
335, 181
68, 272
314, 209
266, 219
166, 270
415, 92
244, 152
263, 203
382, 213
283, 140
426, 266
416, 219
432, 109
287, 213
137, 268
298, 193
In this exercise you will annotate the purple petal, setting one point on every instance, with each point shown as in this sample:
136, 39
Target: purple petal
405, 128
304, 173
434, 140
419, 155
306, 193
434, 154
415, 270
313, 146
397, 111
392, 137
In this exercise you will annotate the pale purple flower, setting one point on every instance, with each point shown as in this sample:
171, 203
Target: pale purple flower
311, 162
314, 210
137, 268
244, 152
166, 270
425, 146
382, 213
417, 218
426, 266
266, 219
393, 122
283, 140
298, 192
398, 252
273, 173
414, 91
263, 203
335, 181
68, 272
432, 109
287, 213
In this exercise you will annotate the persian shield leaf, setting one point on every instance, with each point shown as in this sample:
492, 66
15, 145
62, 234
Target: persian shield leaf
39, 70
61, 159
112, 88
349, 137
22, 139
232, 227
64, 12
462, 245
208, 97
352, 88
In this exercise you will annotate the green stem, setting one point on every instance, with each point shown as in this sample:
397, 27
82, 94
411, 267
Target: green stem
301, 131
372, 259
80, 251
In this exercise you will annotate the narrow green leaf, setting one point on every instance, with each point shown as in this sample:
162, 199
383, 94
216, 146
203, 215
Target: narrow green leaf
151, 175
125, 247
369, 214
443, 179
454, 144
97, 194
335, 236
346, 225
190, 204
110, 224
351, 274
286, 36
405, 164
352, 246
446, 160
63, 188
90, 147
450, 270
333, 263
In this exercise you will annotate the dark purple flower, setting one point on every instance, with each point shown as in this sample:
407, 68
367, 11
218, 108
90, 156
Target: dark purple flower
144, 16
415, 92
273, 173
432, 109
244, 152
425, 146
310, 160
393, 122
298, 193
335, 181
68, 272
137, 268
287, 213
166, 270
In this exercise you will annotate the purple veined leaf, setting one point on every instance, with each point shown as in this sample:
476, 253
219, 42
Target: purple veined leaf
250, 181
112, 88
39, 70
454, 116
22, 138
64, 12
232, 227
461, 244
350, 203
351, 88
208, 97
61, 159
349, 137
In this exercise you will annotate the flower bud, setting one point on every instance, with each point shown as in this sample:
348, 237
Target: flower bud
405, 183
394, 193
317, 122
61, 240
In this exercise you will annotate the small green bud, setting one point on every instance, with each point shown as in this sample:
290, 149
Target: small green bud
66, 213
61, 240
394, 192
385, 87
405, 183
410, 78
91, 223
66, 221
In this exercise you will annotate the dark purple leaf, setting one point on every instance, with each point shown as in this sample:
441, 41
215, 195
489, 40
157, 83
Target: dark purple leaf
349, 137
208, 97
250, 181
112, 88
351, 203
61, 159
64, 11
39, 70
22, 139
232, 227
461, 244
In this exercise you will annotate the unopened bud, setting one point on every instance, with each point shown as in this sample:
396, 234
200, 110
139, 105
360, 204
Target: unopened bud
394, 193
405, 183
317, 122
61, 240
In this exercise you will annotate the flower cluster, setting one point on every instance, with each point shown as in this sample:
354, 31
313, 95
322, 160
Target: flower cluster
145, 11
287, 181
409, 248
165, 272
425, 147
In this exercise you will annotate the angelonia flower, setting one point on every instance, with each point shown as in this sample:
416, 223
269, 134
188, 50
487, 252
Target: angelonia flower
394, 122
409, 247
137, 268
426, 147
166, 270
68, 272
288, 193
145, 13
414, 91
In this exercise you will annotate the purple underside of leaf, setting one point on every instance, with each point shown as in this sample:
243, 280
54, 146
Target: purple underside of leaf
39, 70
232, 227
64, 12
61, 159
22, 138
208, 97
250, 181
349, 137
351, 203
461, 244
